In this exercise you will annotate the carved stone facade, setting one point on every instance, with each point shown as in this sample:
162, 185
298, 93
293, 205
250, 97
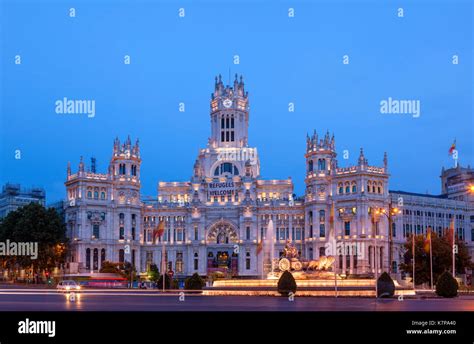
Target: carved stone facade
215, 221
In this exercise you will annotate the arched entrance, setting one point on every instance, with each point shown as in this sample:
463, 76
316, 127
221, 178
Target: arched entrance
222, 236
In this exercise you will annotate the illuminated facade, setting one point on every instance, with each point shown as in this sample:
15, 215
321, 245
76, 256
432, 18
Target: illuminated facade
215, 221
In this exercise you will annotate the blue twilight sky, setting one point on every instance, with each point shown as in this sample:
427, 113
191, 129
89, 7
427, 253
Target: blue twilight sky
282, 59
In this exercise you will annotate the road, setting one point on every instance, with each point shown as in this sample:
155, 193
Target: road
110, 300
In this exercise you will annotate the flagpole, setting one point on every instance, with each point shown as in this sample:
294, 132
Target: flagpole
431, 261
413, 253
163, 262
452, 248
332, 230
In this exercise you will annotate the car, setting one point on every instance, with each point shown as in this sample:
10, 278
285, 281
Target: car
68, 286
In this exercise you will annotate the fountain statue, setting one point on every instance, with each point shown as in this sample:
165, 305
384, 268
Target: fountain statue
302, 268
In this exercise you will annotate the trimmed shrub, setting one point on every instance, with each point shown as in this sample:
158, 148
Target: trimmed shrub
385, 286
447, 286
195, 282
286, 284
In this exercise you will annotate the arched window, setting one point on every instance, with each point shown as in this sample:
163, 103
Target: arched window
321, 164
310, 166
96, 259
322, 215
88, 259
340, 188
354, 188
226, 167
122, 169
121, 256
102, 195
102, 256
196, 261
347, 189
322, 225
369, 186
89, 194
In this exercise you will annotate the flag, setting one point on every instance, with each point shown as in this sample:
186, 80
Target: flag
159, 230
452, 148
451, 233
260, 247
427, 242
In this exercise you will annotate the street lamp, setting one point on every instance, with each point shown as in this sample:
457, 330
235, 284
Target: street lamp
390, 214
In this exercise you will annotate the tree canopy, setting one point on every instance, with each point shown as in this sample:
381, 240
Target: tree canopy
34, 223
442, 257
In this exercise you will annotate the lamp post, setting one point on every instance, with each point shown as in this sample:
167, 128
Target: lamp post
390, 214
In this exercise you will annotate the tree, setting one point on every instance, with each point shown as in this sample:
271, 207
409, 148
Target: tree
128, 271
446, 286
153, 273
109, 267
34, 223
442, 257
195, 282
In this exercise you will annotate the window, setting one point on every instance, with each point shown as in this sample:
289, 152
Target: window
121, 256
310, 166
472, 234
196, 261
102, 195
134, 170
89, 194
247, 261
298, 234
133, 233
340, 189
121, 233
122, 169
180, 234
322, 251
348, 189
321, 164
179, 262
88, 259
354, 188
247, 233
347, 228
322, 230
394, 230
102, 256
96, 259
95, 231
196, 233
322, 216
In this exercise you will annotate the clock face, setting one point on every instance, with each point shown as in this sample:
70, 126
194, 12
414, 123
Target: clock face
227, 103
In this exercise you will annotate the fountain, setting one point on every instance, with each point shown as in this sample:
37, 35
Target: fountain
269, 251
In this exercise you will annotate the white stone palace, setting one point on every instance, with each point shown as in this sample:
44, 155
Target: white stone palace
215, 221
